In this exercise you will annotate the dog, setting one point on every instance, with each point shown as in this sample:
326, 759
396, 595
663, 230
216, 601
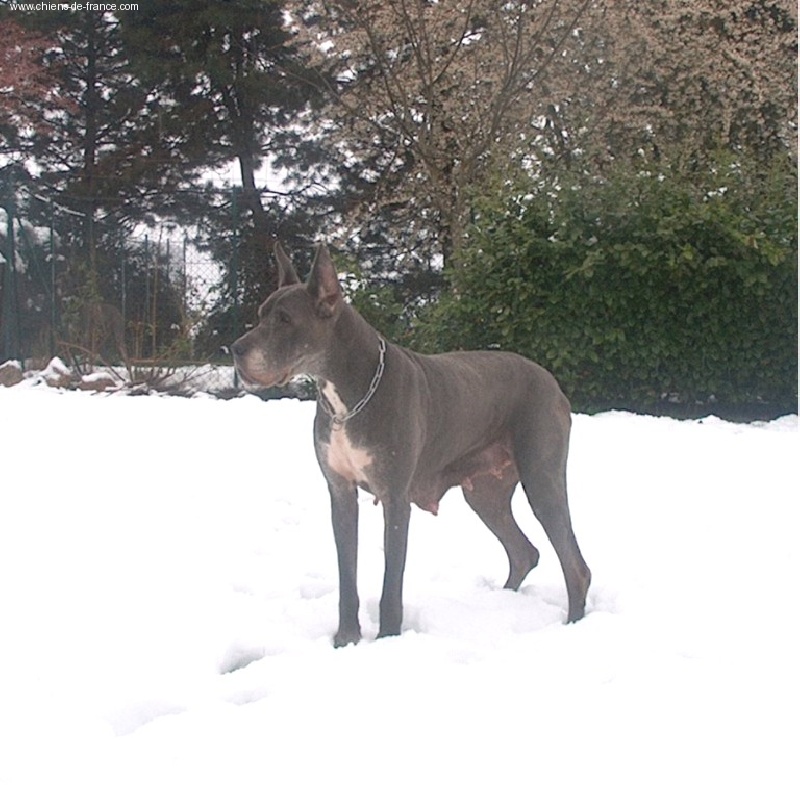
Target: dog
406, 427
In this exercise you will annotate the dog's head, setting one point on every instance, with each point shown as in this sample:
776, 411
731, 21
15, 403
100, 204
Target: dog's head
294, 324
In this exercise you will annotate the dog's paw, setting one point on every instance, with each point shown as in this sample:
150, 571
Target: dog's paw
345, 637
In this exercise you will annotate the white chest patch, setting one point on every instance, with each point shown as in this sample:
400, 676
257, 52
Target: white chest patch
333, 399
346, 459
343, 457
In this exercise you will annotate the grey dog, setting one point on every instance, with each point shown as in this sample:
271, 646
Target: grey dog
406, 427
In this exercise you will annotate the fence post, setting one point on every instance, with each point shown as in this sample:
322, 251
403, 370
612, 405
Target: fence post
9, 311
146, 307
53, 300
124, 296
235, 275
183, 279
154, 338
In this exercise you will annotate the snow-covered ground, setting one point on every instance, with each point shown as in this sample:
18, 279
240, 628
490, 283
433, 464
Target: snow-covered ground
168, 586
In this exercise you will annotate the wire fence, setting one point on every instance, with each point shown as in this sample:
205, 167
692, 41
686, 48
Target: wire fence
151, 308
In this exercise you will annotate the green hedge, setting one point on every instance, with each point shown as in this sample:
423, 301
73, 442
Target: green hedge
634, 289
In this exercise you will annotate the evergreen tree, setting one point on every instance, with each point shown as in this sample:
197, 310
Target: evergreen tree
236, 87
104, 164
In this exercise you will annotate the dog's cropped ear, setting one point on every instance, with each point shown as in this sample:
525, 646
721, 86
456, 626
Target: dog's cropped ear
323, 283
286, 273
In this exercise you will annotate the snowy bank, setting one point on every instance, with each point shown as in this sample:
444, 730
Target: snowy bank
168, 579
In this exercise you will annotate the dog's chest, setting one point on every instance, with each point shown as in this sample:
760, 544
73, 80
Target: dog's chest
341, 455
346, 459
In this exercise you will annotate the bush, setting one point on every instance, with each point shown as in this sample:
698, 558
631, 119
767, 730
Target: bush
639, 287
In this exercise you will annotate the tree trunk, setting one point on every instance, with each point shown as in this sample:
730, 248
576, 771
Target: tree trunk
92, 104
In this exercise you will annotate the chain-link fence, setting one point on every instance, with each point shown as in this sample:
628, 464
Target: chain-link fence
151, 308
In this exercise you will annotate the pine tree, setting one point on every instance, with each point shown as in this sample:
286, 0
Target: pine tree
235, 89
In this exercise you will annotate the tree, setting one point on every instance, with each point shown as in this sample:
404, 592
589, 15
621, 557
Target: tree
233, 86
107, 155
683, 79
103, 164
638, 287
25, 84
428, 96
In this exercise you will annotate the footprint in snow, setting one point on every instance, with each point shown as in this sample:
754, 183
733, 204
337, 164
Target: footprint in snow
237, 658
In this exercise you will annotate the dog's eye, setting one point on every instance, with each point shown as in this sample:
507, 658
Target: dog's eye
284, 317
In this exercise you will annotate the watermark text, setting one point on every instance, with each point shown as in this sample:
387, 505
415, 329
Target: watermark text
73, 6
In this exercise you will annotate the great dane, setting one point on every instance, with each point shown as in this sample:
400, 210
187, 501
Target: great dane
407, 427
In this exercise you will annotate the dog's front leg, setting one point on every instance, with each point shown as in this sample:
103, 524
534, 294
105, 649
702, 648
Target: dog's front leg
396, 513
344, 514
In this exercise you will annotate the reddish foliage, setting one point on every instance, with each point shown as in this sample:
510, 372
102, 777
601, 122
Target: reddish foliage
26, 88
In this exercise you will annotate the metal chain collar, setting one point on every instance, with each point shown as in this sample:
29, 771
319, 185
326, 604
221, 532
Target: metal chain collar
339, 420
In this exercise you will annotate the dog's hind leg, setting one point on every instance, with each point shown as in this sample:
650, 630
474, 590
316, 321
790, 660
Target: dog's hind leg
549, 503
490, 498
541, 456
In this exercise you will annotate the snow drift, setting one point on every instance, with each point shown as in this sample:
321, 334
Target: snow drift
168, 582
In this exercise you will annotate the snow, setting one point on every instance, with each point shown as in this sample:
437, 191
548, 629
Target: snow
168, 582
56, 367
